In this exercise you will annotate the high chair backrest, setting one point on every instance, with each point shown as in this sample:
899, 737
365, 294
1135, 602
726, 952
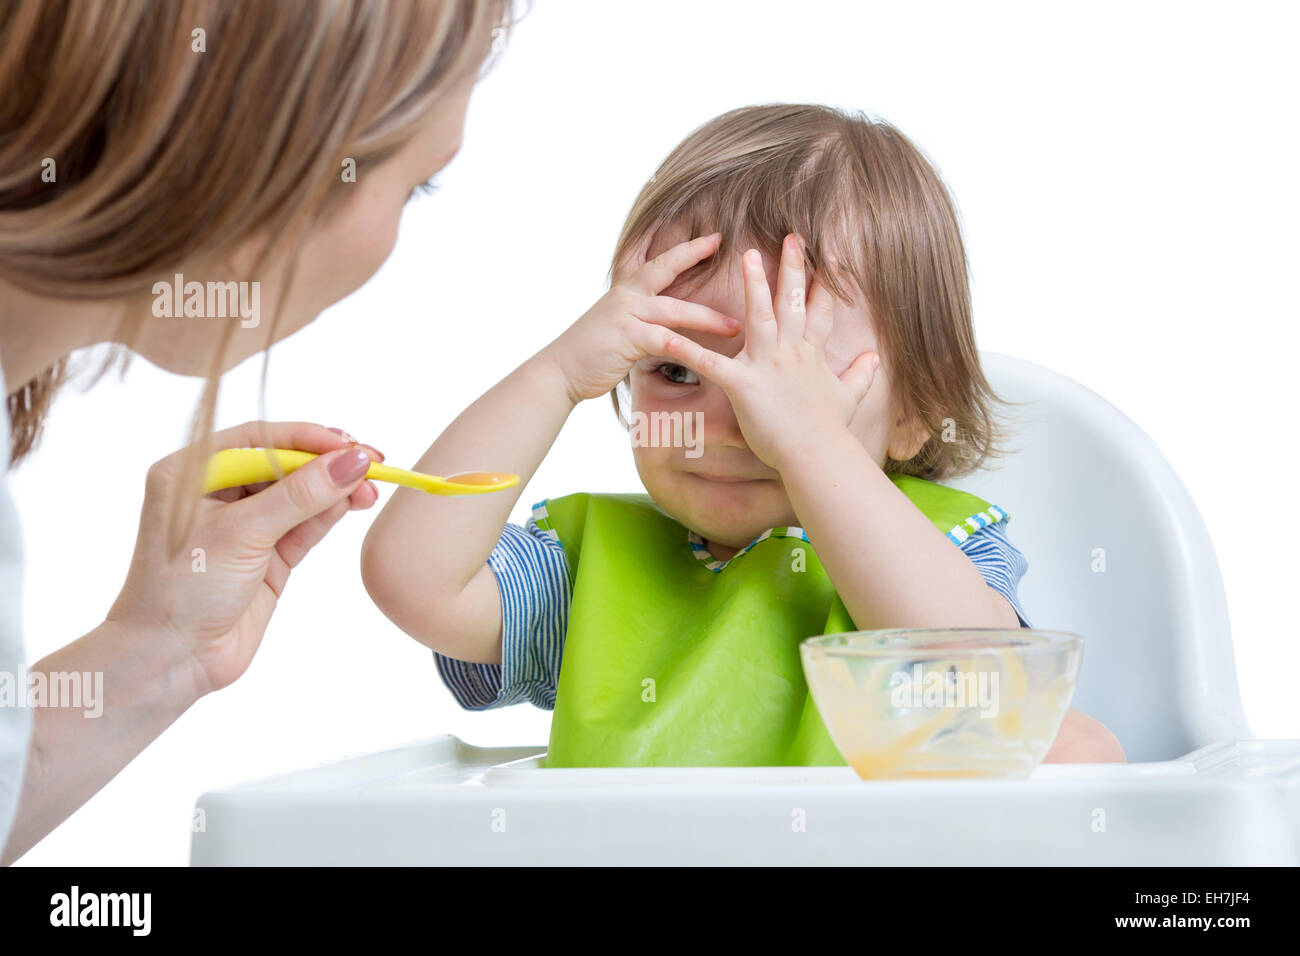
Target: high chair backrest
1117, 552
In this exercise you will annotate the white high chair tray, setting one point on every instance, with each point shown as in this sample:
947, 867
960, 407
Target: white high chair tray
443, 801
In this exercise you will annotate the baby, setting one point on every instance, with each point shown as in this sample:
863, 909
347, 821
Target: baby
789, 323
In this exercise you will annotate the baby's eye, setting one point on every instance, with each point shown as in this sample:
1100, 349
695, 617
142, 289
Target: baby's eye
677, 374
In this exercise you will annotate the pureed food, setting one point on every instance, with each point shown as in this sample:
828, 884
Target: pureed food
956, 708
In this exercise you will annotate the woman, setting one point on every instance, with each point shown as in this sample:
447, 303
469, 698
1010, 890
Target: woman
263, 143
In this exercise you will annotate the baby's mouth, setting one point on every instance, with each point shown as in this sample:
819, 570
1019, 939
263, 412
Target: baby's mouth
727, 479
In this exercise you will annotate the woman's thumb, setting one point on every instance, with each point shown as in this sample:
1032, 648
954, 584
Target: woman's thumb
321, 483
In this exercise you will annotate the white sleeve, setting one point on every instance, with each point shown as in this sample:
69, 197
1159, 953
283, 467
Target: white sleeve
15, 718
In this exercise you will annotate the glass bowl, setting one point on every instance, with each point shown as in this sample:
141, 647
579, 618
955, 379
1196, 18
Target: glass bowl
943, 702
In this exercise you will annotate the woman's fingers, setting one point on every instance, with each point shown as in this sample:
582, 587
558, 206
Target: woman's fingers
375, 453
760, 320
790, 305
365, 496
238, 491
661, 271
265, 518
299, 540
681, 314
304, 436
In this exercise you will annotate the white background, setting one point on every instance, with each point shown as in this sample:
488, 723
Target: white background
1126, 178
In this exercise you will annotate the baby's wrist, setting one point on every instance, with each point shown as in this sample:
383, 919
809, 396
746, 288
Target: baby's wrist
817, 453
550, 367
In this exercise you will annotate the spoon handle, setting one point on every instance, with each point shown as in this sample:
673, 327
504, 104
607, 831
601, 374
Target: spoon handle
232, 467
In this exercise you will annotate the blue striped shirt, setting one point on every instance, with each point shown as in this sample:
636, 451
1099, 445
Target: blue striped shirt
533, 576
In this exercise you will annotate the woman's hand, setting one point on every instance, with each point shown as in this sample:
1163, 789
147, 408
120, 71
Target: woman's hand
633, 321
212, 602
787, 400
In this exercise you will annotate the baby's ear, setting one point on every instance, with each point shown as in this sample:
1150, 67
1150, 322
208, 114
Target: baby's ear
907, 439
634, 258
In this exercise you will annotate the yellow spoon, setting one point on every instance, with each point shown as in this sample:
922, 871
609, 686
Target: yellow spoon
232, 467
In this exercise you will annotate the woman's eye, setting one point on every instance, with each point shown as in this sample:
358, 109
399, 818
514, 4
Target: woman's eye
429, 187
677, 374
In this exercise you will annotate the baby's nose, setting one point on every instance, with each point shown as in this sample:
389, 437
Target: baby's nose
719, 426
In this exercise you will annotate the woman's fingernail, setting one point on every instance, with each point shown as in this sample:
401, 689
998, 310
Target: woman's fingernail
379, 455
349, 466
342, 433
875, 361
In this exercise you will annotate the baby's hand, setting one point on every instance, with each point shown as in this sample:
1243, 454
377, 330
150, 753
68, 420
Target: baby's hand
632, 321
786, 398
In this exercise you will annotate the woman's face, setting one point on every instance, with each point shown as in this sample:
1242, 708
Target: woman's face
336, 259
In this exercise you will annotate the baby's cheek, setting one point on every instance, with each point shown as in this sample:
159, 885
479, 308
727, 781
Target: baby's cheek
660, 473
651, 463
871, 422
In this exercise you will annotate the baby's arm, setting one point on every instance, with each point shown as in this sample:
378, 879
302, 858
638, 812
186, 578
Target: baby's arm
889, 563
1084, 739
424, 561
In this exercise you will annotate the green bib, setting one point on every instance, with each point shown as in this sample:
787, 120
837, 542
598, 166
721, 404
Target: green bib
674, 659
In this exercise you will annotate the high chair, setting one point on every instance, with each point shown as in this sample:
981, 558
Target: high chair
1117, 552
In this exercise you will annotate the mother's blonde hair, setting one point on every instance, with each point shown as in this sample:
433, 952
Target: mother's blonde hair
179, 129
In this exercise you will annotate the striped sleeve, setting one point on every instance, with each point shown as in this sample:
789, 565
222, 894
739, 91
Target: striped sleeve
998, 560
533, 577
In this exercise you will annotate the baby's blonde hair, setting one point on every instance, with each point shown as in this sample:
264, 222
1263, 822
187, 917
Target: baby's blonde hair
857, 190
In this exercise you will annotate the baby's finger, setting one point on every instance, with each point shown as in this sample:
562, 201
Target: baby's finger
632, 260
791, 308
681, 314
760, 320
658, 341
820, 319
860, 375
661, 271
718, 369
